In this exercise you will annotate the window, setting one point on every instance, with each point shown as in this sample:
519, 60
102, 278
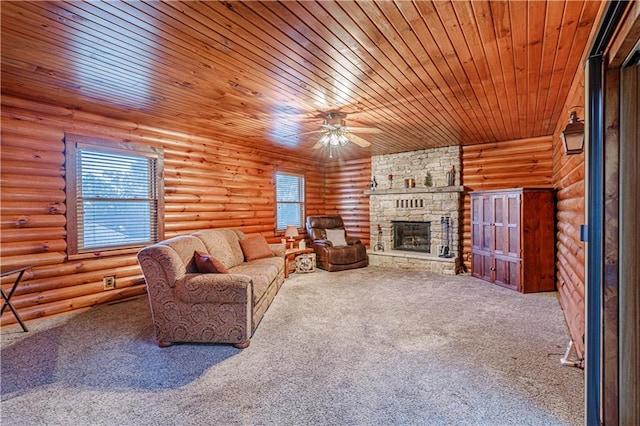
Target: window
114, 195
289, 200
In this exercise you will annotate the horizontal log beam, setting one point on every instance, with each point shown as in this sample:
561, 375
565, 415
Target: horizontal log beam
62, 306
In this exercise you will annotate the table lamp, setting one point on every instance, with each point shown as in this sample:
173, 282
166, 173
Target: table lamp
291, 233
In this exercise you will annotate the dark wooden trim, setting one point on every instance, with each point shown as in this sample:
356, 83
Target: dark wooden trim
611, 252
71, 188
629, 340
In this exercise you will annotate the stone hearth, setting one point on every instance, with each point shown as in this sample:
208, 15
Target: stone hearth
412, 260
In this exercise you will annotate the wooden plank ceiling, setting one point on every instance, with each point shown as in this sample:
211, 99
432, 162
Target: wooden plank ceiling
427, 74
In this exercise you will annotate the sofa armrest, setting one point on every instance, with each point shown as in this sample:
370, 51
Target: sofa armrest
278, 249
214, 288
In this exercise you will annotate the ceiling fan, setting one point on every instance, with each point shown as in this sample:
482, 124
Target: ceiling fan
335, 133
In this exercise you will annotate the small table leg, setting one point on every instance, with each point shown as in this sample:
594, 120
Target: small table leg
7, 298
287, 259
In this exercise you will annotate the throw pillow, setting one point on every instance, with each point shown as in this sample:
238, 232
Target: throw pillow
255, 248
208, 264
337, 237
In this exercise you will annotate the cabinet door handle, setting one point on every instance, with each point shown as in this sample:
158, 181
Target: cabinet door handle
493, 269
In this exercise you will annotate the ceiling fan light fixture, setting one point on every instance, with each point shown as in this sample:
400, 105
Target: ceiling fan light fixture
334, 133
334, 137
325, 138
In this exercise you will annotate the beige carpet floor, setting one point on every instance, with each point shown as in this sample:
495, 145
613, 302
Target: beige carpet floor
375, 346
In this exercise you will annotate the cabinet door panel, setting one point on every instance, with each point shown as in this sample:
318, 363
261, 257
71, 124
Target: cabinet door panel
487, 225
507, 272
490, 274
476, 265
499, 222
481, 266
476, 223
512, 234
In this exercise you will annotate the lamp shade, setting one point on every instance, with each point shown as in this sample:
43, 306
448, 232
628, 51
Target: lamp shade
573, 135
291, 231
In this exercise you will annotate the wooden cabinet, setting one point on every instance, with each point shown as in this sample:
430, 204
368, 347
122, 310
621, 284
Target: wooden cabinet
512, 238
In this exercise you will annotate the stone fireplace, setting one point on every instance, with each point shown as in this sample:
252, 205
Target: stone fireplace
430, 215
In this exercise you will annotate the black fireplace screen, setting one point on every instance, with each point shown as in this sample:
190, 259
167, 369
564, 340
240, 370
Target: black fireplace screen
412, 236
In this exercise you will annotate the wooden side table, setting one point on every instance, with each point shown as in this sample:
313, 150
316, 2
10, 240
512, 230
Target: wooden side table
290, 259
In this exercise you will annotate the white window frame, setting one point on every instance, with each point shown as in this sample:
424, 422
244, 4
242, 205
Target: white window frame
74, 145
301, 200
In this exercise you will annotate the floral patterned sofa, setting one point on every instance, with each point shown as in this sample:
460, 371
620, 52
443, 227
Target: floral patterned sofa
223, 305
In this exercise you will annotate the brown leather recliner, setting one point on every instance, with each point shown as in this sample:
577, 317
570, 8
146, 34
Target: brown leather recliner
329, 257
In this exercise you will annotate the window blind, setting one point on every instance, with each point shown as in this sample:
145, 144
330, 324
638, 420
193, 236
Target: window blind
289, 200
116, 199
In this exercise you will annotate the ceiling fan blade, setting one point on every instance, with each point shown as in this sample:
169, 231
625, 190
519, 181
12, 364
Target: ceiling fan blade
359, 141
318, 145
304, 133
368, 130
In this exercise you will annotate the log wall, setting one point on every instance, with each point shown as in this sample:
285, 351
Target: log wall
208, 184
346, 183
512, 164
569, 183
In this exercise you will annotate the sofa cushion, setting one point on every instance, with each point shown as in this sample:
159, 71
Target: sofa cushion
337, 237
262, 272
184, 246
255, 248
224, 244
208, 264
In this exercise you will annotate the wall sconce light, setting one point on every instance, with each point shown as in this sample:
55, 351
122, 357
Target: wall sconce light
573, 135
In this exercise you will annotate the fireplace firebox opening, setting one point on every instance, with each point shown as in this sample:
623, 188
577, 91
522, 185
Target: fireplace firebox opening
412, 236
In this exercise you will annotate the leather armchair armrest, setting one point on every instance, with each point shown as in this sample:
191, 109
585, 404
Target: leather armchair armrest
325, 243
214, 288
353, 240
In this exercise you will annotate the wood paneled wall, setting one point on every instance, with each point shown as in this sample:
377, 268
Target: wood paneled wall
569, 182
208, 184
512, 164
346, 183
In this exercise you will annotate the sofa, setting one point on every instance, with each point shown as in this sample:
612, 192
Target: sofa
220, 306
335, 250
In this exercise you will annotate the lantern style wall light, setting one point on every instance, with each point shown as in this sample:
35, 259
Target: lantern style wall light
573, 135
